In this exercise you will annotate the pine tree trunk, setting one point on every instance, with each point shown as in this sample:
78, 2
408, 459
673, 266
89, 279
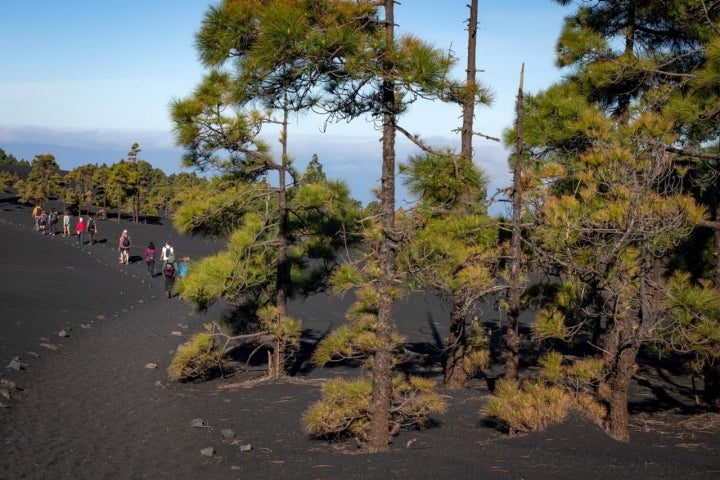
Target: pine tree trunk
619, 379
711, 392
455, 373
381, 399
469, 101
620, 352
283, 266
512, 351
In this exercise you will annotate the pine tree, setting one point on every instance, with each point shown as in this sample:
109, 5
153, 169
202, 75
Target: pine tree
42, 182
604, 145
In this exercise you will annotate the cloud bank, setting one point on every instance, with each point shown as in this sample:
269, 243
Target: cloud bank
356, 160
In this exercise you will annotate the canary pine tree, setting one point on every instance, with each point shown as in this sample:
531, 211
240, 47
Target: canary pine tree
608, 199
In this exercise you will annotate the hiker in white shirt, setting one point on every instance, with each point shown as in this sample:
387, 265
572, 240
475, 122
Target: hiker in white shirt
167, 251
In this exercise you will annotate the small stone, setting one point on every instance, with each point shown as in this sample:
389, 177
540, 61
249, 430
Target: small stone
50, 346
176, 334
207, 452
151, 366
9, 384
227, 433
245, 448
5, 393
34, 354
16, 364
63, 333
198, 422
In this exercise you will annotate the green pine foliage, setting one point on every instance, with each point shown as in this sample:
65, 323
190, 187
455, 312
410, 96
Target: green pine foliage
619, 170
343, 412
477, 354
197, 357
284, 329
693, 325
216, 209
530, 407
357, 340
561, 386
452, 247
239, 271
42, 182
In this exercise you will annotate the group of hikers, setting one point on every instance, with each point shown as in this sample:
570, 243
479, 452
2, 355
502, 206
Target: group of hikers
46, 223
170, 267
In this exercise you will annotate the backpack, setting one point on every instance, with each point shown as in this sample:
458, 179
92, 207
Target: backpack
169, 270
53, 217
126, 242
151, 256
90, 225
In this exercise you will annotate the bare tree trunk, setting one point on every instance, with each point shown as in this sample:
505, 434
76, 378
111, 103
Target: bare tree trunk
455, 373
466, 137
512, 352
283, 266
381, 398
137, 207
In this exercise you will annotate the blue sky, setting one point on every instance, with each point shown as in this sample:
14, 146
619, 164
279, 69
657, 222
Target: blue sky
98, 75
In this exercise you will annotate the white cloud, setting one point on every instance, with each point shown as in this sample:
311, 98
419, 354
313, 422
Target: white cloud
355, 159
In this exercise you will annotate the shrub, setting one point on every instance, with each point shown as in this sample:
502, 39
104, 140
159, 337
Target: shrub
342, 412
477, 355
531, 407
535, 404
196, 358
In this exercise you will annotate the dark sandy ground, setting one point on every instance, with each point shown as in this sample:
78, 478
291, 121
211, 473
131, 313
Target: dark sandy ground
86, 405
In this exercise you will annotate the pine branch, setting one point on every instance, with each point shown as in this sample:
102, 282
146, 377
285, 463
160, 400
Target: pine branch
416, 140
478, 134
691, 152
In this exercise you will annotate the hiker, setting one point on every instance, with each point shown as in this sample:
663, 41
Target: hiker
182, 269
36, 217
80, 230
43, 221
124, 244
169, 272
53, 219
167, 250
150, 256
66, 224
91, 229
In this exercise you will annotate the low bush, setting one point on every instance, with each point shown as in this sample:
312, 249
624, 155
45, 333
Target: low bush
561, 386
342, 412
196, 358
